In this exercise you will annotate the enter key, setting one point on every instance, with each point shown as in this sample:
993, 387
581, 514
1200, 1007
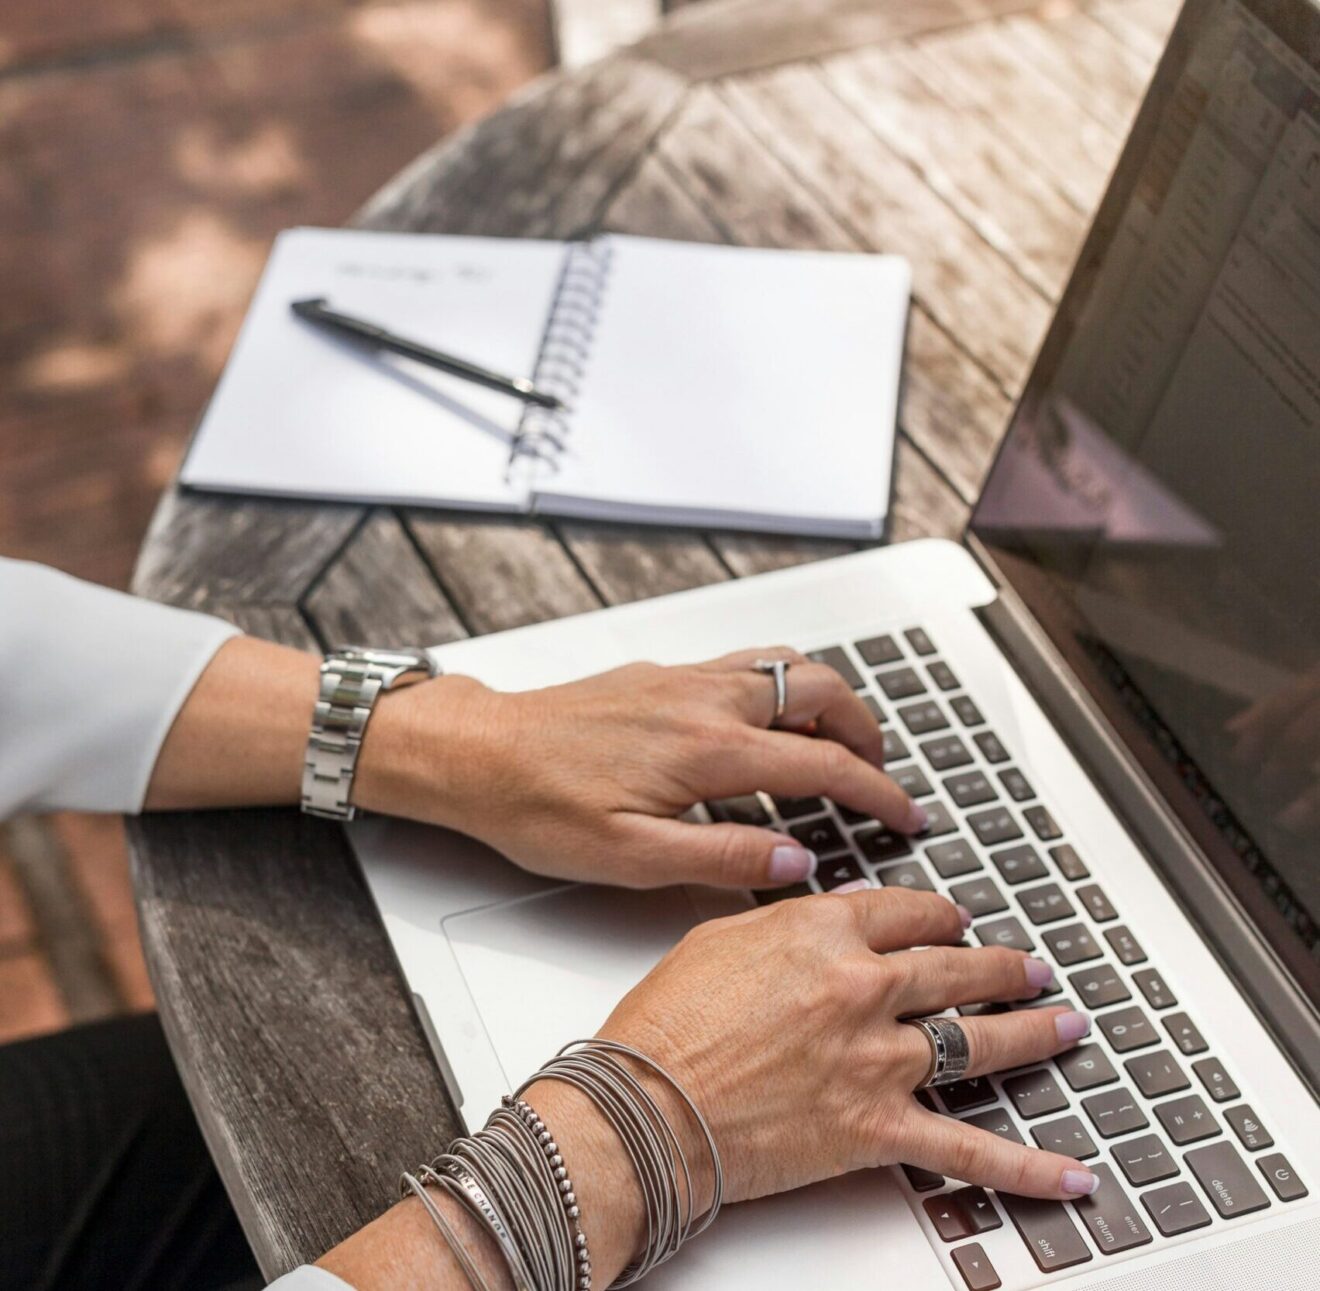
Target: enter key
1114, 1222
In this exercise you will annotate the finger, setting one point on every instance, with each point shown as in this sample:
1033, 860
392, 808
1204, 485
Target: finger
723, 855
944, 977
896, 918
960, 1151
796, 767
998, 1041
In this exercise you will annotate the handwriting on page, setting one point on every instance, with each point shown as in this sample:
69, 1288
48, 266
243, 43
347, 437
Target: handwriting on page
467, 273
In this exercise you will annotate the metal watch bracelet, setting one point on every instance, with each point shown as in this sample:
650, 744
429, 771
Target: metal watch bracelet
352, 679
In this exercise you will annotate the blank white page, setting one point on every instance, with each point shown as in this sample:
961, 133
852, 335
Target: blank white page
300, 411
739, 387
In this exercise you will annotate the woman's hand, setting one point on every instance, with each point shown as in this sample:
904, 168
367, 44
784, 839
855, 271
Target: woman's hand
585, 780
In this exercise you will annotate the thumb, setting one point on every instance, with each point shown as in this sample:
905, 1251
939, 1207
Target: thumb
723, 855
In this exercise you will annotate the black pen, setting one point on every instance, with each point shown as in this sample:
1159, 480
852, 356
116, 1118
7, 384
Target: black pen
318, 311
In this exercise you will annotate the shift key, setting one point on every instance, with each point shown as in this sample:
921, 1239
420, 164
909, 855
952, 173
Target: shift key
1115, 1223
1050, 1235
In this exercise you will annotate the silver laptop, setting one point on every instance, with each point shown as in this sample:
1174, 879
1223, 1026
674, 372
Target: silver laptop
1066, 692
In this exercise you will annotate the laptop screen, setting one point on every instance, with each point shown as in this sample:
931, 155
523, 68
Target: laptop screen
1156, 501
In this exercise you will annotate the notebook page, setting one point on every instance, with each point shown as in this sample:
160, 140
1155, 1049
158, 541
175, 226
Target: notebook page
744, 387
301, 411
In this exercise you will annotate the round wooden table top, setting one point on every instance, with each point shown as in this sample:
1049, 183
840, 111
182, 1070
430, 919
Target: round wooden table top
972, 136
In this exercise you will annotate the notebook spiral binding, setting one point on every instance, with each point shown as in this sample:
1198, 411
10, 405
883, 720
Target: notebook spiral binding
542, 434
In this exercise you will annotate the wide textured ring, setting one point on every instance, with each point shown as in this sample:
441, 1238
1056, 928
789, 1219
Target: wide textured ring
949, 1052
778, 669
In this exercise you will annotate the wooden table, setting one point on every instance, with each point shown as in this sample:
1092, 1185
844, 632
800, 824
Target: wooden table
973, 136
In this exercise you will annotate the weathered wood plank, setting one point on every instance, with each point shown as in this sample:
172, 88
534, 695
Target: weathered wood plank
502, 573
379, 590
282, 623
631, 564
1143, 25
925, 506
204, 547
962, 156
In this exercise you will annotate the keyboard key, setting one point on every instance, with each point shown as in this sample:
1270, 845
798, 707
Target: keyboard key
1004, 932
979, 1209
900, 683
939, 821
1157, 1074
880, 845
942, 675
970, 789
1051, 1237
834, 657
953, 858
1145, 1160
1067, 1136
1071, 944
878, 651
1280, 1175
1184, 1033
991, 749
1035, 1094
1042, 823
1226, 1180
895, 749
923, 717
1069, 863
1126, 1029
1246, 1125
1153, 987
794, 808
837, 871
1086, 1067
997, 1122
1175, 1209
1125, 946
922, 1180
851, 816
994, 825
906, 874
1099, 986
964, 1095
1019, 864
920, 641
968, 713
873, 706
946, 753
1217, 1082
974, 1265
1095, 903
820, 836
1046, 904
1115, 1112
1115, 1223
950, 1222
1187, 1120
746, 810
980, 896
912, 780
1016, 785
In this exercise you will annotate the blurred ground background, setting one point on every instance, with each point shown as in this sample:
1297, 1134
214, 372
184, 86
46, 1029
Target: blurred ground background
149, 151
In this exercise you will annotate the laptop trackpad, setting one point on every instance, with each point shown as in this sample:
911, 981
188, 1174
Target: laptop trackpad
548, 968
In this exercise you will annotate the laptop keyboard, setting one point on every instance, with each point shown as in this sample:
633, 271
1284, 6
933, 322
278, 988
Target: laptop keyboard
1144, 1102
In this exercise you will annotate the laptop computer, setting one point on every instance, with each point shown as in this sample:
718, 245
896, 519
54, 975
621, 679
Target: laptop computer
1106, 698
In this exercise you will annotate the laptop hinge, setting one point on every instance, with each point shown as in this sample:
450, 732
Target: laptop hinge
1176, 858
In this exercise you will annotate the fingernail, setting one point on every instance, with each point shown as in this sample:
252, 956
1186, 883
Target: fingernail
917, 822
965, 915
855, 886
1040, 975
1071, 1026
790, 863
1079, 1183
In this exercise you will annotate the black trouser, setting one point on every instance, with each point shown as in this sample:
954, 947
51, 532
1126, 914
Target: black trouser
104, 1179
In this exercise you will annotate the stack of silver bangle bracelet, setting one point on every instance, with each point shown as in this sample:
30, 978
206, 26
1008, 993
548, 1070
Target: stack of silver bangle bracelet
512, 1178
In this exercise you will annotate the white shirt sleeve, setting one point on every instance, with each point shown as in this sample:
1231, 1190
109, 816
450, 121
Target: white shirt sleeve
90, 683
309, 1278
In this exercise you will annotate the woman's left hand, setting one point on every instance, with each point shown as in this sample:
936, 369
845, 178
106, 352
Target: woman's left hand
586, 780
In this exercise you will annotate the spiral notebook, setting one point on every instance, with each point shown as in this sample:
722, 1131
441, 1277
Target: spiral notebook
704, 385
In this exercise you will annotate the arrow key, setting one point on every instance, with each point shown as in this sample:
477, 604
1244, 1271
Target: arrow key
975, 1267
948, 1217
979, 1209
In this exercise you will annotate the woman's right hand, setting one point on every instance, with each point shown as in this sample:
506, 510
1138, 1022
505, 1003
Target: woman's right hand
783, 1026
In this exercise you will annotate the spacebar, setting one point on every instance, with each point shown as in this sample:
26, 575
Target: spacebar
1050, 1235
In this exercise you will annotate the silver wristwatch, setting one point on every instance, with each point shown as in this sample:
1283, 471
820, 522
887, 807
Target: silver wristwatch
352, 678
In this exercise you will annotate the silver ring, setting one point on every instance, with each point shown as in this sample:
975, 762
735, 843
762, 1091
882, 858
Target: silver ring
778, 669
948, 1050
